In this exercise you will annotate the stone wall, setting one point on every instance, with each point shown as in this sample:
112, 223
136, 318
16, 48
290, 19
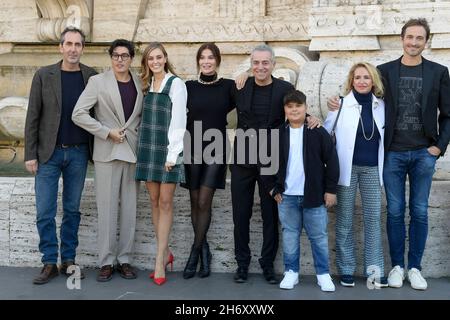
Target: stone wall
19, 239
303, 32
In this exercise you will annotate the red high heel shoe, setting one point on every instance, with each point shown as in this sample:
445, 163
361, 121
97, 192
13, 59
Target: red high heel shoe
169, 261
159, 281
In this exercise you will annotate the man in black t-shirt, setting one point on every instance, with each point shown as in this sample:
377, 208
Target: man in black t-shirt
416, 134
55, 146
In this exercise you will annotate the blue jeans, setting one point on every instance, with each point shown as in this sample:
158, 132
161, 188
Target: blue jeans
419, 166
293, 217
72, 164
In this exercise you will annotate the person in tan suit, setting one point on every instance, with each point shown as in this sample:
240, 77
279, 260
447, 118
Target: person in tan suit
116, 97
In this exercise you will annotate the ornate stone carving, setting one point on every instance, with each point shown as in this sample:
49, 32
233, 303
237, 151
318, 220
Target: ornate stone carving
361, 19
223, 30
320, 80
286, 75
59, 14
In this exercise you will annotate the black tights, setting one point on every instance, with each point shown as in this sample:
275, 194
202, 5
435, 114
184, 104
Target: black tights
201, 202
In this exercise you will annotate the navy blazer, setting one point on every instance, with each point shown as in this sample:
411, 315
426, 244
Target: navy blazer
435, 95
320, 162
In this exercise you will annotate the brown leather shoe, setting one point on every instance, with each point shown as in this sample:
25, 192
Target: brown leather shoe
48, 272
105, 273
65, 266
126, 271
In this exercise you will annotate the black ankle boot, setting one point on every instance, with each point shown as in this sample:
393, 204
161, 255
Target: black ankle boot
205, 261
191, 264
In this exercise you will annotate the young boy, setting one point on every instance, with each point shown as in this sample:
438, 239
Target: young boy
304, 187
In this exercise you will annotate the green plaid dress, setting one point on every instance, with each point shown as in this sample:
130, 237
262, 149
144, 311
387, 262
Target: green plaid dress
153, 139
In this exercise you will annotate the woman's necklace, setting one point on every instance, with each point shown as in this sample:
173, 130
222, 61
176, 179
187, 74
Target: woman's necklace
157, 84
362, 126
199, 79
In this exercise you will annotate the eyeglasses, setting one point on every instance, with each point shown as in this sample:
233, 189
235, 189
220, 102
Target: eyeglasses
124, 56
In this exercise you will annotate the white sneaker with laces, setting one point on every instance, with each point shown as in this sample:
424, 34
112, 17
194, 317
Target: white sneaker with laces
290, 280
396, 277
325, 282
417, 281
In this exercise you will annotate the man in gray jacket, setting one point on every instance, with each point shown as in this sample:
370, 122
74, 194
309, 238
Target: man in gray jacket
54, 145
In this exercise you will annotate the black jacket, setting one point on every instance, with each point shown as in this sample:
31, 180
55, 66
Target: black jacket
435, 95
246, 119
320, 163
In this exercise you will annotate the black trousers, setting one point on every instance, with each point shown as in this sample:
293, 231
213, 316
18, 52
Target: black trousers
243, 182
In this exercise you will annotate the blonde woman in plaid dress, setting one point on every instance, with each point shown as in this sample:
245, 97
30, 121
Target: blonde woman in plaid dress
159, 159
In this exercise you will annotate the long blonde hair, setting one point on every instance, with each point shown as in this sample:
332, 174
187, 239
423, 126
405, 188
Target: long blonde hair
377, 84
147, 74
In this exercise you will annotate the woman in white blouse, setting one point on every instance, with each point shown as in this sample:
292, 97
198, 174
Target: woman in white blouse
159, 159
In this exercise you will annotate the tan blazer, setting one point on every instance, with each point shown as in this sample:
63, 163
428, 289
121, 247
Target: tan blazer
102, 94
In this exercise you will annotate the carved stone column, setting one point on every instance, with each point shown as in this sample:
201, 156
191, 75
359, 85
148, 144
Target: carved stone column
57, 15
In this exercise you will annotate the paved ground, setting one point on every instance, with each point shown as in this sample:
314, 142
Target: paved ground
16, 284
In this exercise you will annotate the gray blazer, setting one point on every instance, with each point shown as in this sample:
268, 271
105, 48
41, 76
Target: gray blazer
44, 111
102, 93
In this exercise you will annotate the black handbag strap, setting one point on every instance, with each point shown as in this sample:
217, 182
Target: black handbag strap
337, 117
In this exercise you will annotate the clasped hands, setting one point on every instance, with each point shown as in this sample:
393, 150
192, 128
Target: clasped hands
117, 135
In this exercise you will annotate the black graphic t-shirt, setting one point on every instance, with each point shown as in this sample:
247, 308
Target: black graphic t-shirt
408, 132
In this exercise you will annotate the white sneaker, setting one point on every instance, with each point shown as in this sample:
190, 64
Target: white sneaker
417, 281
290, 280
396, 277
325, 282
